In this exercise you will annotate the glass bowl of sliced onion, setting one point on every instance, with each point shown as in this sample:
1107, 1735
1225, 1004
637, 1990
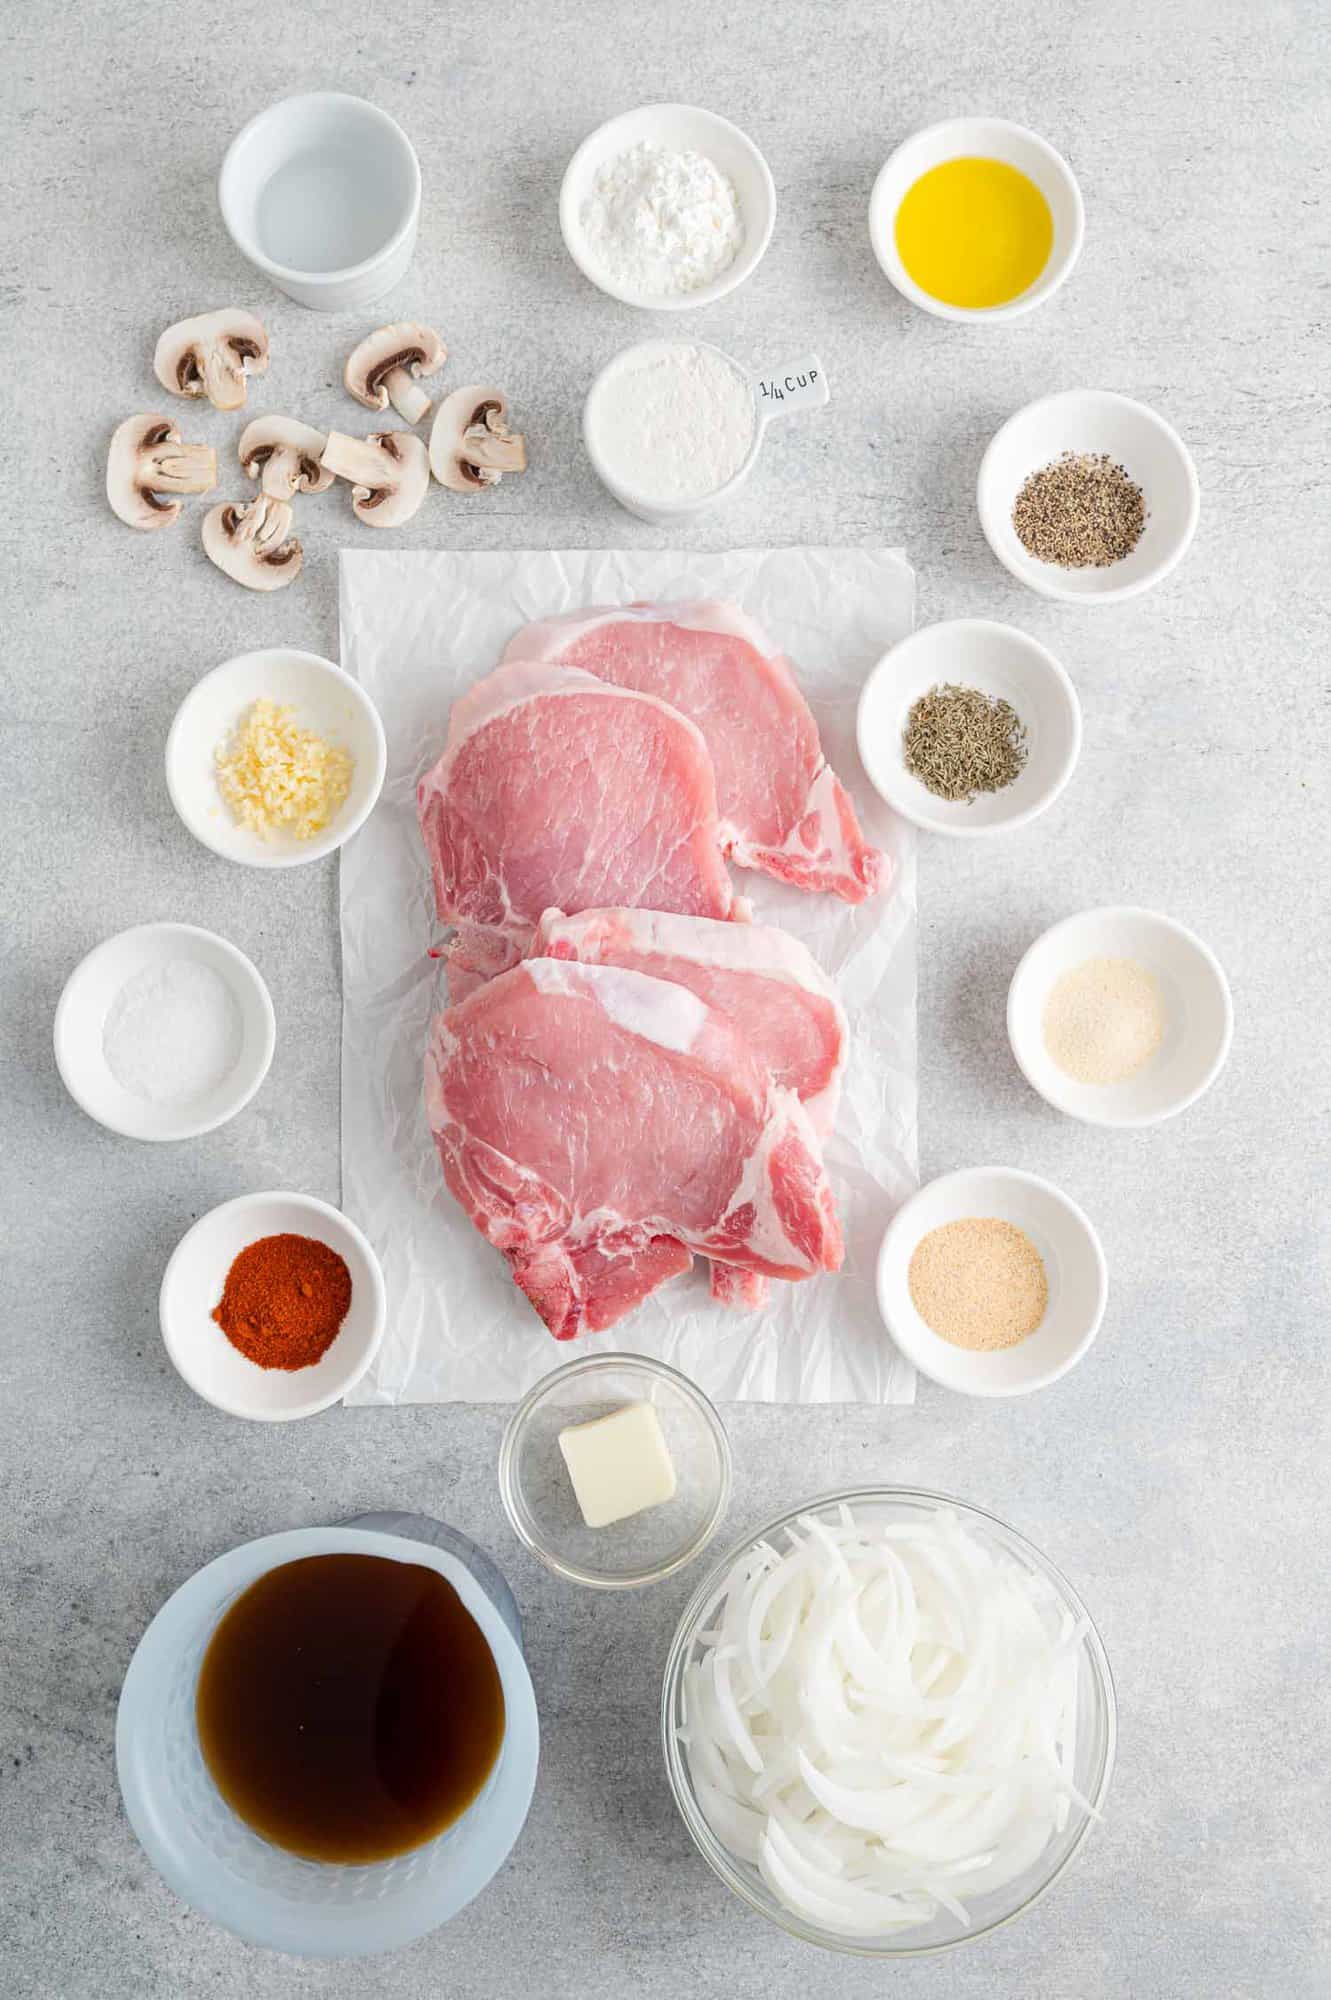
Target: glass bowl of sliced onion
888, 1722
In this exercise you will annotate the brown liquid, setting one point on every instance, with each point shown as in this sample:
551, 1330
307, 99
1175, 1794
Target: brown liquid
349, 1707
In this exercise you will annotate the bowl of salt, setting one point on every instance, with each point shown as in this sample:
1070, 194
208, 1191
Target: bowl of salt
165, 1031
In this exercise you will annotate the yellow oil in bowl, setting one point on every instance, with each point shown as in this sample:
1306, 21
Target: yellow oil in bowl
974, 233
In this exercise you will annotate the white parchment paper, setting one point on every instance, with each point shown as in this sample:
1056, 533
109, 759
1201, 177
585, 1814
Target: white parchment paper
416, 631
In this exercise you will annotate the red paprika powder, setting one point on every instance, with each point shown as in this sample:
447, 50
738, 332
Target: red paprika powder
283, 1301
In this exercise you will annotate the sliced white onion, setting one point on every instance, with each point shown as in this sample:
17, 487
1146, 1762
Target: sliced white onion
881, 1718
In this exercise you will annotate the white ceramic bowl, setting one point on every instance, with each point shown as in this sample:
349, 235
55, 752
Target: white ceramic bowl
1000, 661
1092, 420
1199, 1011
985, 138
322, 193
683, 128
1074, 1265
192, 1285
324, 699
80, 1020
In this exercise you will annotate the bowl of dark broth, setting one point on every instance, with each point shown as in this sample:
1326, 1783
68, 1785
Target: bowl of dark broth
327, 1740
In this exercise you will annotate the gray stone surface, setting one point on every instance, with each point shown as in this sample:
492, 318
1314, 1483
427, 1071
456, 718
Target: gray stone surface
1179, 1474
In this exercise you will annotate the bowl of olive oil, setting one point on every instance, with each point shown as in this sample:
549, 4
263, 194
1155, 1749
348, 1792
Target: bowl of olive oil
976, 219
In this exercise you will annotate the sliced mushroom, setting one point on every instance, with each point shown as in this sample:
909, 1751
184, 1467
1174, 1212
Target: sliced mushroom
211, 355
389, 474
470, 443
146, 459
284, 456
251, 545
386, 366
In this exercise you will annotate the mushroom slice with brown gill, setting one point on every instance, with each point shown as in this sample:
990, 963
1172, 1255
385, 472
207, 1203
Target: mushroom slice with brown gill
284, 456
147, 459
211, 355
386, 366
251, 543
470, 443
389, 474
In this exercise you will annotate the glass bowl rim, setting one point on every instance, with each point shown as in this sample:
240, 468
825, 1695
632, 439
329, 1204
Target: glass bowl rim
516, 1428
719, 1858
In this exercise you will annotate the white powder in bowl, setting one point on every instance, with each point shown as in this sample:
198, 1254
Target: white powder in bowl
173, 1032
671, 421
1104, 1020
660, 223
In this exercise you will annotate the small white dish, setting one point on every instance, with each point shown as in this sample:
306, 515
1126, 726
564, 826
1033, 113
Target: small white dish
80, 1022
1198, 1008
683, 128
1000, 661
780, 392
1150, 451
325, 700
322, 193
1074, 1265
192, 1285
990, 139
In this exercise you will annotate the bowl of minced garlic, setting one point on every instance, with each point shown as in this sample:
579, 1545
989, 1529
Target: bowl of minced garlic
1119, 1016
992, 1281
275, 758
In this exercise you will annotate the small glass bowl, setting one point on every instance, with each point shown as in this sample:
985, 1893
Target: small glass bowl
1097, 1730
538, 1493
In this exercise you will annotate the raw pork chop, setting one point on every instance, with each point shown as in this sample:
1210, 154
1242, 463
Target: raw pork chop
761, 976
556, 788
782, 808
598, 1125
765, 979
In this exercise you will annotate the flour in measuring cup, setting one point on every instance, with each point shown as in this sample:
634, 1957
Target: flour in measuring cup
660, 223
670, 421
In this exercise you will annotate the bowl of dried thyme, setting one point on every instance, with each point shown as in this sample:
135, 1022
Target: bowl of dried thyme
1088, 497
969, 727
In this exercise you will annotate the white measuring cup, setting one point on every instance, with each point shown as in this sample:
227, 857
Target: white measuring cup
801, 385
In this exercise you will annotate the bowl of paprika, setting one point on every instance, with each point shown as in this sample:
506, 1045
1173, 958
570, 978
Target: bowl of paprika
273, 1306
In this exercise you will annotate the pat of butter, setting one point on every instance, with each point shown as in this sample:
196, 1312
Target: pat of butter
619, 1464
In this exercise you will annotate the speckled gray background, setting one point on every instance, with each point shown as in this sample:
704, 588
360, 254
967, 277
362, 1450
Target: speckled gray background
1179, 1474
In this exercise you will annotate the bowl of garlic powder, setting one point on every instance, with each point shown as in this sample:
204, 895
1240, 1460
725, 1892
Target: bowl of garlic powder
992, 1281
667, 207
1120, 1016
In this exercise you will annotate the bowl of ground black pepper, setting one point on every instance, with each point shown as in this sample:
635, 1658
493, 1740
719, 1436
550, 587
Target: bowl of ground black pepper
992, 1281
969, 727
1088, 496
273, 1306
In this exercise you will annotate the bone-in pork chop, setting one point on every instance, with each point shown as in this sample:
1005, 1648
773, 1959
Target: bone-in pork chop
759, 975
556, 788
598, 1125
782, 808
765, 979
767, 982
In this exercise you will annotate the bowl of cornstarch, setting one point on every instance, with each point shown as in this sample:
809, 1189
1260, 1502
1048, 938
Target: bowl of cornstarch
667, 207
164, 1032
1120, 1016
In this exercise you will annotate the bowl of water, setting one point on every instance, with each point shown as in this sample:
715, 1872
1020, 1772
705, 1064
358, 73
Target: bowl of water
322, 193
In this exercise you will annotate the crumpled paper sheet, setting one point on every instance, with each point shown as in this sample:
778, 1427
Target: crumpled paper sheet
417, 630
